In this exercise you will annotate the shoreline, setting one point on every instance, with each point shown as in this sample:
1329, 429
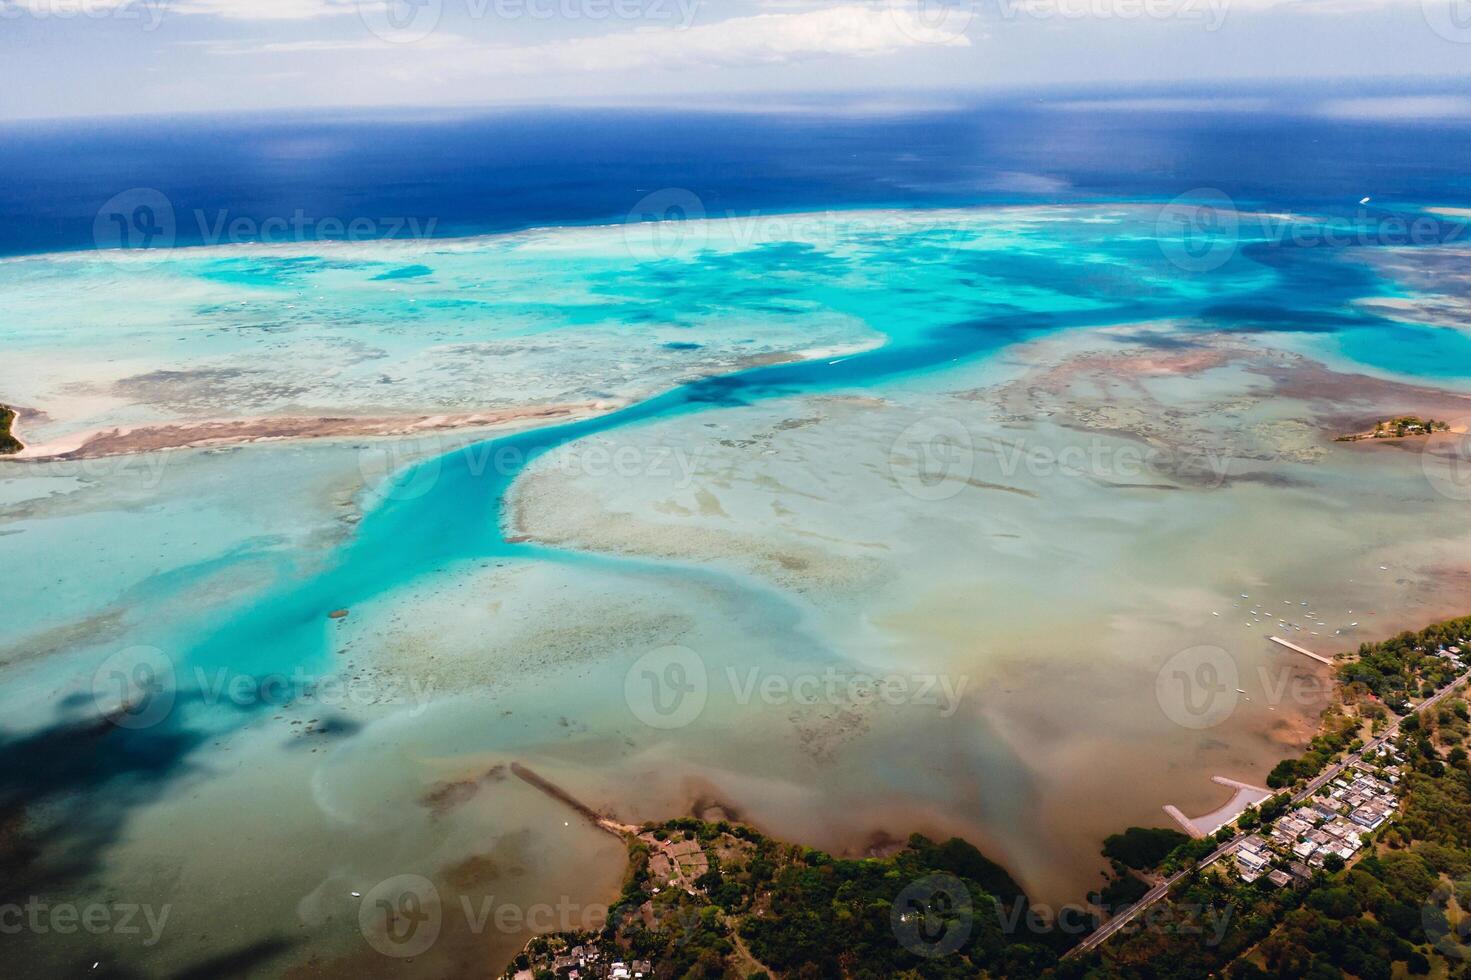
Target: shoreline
127, 440
85, 253
111, 441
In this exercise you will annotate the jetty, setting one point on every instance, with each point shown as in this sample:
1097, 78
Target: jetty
559, 794
1246, 795
1305, 652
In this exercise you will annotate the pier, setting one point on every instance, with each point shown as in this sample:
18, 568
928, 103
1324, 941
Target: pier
1297, 649
1246, 795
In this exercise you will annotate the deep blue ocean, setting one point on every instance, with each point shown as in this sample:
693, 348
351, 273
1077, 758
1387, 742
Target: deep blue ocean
471, 172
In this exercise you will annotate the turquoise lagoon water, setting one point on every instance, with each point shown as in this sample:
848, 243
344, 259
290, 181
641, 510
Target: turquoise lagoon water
936, 289
964, 288
870, 302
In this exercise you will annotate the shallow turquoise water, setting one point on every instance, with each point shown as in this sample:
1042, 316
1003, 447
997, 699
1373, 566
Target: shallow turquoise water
964, 288
880, 305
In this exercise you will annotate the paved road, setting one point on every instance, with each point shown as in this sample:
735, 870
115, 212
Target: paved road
1163, 888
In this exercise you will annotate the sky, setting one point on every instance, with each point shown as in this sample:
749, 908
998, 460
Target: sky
123, 57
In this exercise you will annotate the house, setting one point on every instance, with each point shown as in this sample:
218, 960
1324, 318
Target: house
1252, 860
1367, 818
1250, 865
1279, 878
1305, 849
1299, 870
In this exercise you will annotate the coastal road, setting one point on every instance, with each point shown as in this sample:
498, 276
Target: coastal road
1159, 891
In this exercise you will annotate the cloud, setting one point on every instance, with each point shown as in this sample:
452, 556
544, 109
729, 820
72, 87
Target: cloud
264, 9
851, 30
1398, 108
768, 38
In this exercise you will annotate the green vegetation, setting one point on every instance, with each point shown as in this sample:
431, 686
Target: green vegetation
1398, 911
1398, 428
794, 911
1383, 677
1143, 848
8, 443
1405, 666
834, 918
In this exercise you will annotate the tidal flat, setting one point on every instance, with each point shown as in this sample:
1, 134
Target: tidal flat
1004, 464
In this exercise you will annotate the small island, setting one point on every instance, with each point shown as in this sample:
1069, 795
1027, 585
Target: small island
9, 444
1399, 427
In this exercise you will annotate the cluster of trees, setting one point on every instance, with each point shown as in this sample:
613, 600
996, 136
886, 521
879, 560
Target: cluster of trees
806, 914
831, 918
1359, 922
1142, 848
810, 916
1395, 912
8, 443
1405, 666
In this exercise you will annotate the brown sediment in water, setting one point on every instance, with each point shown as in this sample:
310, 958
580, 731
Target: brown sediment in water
448, 794
1081, 390
192, 435
567, 799
199, 433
